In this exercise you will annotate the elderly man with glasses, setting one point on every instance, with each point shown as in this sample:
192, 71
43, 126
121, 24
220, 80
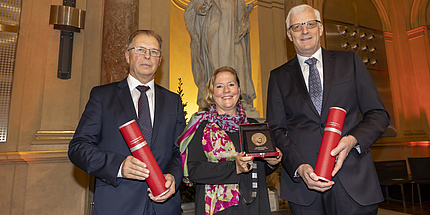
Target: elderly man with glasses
300, 95
99, 149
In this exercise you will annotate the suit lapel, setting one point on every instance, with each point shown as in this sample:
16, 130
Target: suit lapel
299, 81
329, 62
127, 103
125, 99
158, 110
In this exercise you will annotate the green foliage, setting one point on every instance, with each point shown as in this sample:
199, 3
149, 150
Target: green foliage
187, 192
180, 91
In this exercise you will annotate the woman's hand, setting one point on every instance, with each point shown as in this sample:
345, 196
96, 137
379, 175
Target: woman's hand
243, 163
274, 160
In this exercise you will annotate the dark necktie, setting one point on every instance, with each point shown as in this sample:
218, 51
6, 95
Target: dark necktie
144, 116
315, 89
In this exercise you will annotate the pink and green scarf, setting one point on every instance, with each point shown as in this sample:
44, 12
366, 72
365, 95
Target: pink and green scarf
218, 147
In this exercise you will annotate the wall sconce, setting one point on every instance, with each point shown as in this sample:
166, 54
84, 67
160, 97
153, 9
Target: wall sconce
68, 19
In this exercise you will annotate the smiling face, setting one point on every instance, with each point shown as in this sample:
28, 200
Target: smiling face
226, 93
143, 67
307, 41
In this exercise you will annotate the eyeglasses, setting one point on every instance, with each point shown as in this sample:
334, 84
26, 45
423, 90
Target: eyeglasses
142, 50
309, 24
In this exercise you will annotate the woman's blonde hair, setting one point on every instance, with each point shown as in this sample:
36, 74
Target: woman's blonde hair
208, 98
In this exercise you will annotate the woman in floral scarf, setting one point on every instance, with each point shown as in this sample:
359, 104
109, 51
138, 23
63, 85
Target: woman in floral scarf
227, 181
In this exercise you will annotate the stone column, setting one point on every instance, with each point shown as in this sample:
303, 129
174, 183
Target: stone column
268, 30
120, 20
401, 61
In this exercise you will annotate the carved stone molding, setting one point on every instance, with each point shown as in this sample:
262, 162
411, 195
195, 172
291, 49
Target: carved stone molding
52, 140
269, 4
34, 156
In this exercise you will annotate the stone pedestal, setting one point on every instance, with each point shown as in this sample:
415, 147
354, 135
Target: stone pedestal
252, 113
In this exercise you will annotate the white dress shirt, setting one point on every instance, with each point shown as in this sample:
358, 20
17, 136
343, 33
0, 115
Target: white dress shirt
305, 67
135, 94
305, 72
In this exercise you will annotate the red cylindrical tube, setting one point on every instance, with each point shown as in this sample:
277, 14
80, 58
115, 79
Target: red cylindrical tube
332, 133
140, 150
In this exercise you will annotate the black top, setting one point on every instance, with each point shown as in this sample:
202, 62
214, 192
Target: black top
203, 172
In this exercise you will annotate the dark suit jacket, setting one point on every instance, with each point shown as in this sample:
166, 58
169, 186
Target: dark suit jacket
99, 148
347, 84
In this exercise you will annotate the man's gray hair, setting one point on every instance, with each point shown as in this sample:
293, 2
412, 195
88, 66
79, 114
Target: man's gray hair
145, 32
299, 9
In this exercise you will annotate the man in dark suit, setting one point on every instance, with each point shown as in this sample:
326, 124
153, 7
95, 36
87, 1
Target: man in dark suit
297, 117
99, 148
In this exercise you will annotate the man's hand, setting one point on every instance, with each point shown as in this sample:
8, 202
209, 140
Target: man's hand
311, 179
243, 163
170, 184
133, 168
342, 150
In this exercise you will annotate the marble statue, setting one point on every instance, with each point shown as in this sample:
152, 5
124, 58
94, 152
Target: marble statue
219, 31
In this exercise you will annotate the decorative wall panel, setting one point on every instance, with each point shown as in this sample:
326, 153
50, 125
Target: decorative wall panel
9, 22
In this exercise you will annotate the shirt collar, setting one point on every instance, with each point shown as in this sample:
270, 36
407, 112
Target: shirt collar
317, 55
133, 83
